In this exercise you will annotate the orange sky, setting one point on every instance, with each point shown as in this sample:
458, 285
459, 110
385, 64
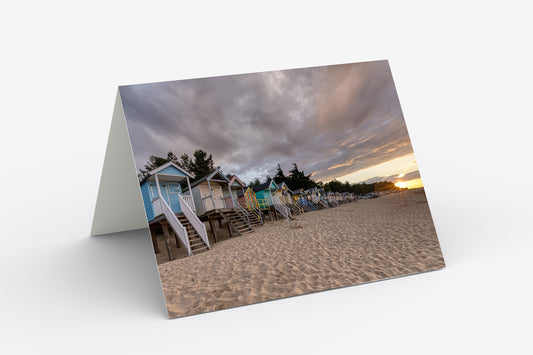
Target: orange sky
410, 184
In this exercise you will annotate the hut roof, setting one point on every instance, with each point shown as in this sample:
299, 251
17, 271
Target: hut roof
240, 193
162, 167
264, 186
234, 178
209, 176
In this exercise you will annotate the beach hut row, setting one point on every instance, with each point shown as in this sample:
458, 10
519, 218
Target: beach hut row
180, 210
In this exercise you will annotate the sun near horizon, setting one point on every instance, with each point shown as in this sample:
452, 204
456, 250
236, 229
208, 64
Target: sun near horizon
410, 184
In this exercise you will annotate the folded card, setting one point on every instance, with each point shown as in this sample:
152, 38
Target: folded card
261, 186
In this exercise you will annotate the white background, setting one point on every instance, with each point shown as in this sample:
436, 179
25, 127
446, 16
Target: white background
463, 74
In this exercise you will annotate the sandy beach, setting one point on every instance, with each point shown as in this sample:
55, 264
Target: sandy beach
348, 245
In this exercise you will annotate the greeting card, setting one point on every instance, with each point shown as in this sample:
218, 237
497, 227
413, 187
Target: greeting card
256, 187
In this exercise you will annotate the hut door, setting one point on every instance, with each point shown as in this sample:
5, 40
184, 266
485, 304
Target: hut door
218, 196
174, 190
206, 197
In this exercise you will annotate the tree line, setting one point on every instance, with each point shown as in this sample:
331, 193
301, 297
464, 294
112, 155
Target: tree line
201, 163
298, 179
359, 189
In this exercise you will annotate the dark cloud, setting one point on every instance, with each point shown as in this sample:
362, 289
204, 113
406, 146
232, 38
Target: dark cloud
331, 121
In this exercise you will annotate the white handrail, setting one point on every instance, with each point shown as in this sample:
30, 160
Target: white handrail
284, 210
190, 201
287, 201
194, 220
161, 207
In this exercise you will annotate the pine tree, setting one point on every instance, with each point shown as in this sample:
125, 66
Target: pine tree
201, 164
297, 179
255, 182
280, 176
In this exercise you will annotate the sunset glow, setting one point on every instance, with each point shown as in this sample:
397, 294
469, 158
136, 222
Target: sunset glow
386, 169
411, 184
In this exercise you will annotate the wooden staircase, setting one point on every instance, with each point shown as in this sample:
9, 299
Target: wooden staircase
197, 244
254, 220
295, 209
238, 221
241, 222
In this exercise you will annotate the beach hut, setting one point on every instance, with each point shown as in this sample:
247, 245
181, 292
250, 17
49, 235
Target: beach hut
233, 197
235, 186
248, 200
263, 193
283, 192
215, 197
267, 197
283, 189
296, 194
328, 196
319, 198
311, 197
305, 201
339, 197
313, 192
285, 195
348, 196
167, 206
208, 192
322, 198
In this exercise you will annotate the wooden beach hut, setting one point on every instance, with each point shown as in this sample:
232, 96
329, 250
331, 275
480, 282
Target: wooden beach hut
330, 196
305, 201
282, 192
235, 186
263, 193
296, 194
284, 189
316, 194
213, 196
170, 210
321, 192
285, 195
208, 192
268, 199
248, 200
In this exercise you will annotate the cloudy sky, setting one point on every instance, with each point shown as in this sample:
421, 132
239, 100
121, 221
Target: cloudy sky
341, 121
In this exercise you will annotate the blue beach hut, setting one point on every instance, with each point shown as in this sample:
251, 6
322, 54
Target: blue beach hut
165, 181
164, 202
264, 193
267, 195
